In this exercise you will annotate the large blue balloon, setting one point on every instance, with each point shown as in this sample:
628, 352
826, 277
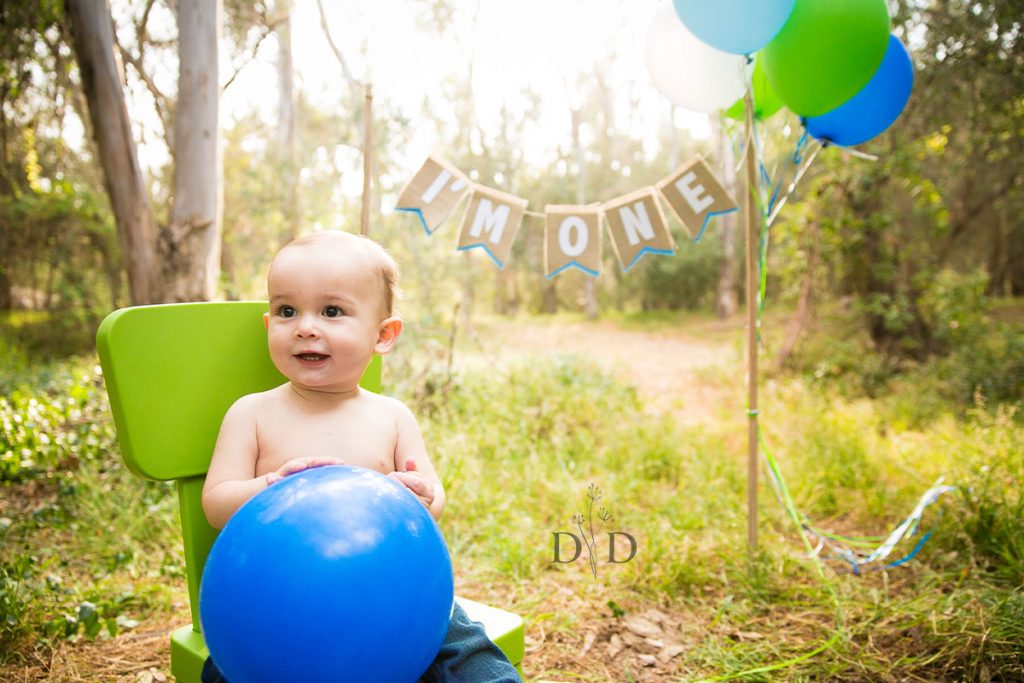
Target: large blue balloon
738, 26
875, 107
332, 574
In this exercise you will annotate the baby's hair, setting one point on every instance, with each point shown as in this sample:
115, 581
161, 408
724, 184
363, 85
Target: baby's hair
384, 265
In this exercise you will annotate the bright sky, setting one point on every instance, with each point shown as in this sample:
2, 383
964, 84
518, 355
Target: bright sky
538, 44
543, 45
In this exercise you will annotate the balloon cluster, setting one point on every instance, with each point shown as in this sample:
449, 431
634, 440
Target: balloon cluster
832, 62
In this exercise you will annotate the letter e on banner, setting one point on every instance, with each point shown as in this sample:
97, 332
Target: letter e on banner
434, 192
696, 196
637, 227
491, 223
572, 238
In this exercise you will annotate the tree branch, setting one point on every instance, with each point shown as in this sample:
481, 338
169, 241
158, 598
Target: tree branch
268, 28
162, 106
968, 216
353, 83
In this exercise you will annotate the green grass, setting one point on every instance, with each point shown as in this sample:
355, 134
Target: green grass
87, 550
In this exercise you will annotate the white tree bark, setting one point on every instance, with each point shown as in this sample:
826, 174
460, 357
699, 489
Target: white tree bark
93, 37
287, 123
192, 249
726, 303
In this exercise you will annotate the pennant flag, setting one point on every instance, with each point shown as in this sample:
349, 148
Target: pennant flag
572, 238
696, 196
434, 192
491, 222
638, 227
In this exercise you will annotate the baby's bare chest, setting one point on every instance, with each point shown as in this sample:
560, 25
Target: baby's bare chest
362, 439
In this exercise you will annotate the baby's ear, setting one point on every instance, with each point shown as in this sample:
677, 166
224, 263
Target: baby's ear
266, 321
387, 335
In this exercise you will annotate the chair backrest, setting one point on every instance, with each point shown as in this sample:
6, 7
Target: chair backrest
171, 372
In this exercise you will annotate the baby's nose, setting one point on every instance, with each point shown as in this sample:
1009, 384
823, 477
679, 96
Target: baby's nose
307, 327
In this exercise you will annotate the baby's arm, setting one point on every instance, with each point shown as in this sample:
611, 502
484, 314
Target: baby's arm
412, 466
232, 478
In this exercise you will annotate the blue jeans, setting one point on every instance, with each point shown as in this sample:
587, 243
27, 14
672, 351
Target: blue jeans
467, 656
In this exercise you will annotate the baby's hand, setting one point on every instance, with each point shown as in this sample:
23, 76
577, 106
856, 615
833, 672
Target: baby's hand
293, 466
423, 488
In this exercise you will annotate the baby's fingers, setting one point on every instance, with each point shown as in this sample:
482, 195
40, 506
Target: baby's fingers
421, 487
299, 465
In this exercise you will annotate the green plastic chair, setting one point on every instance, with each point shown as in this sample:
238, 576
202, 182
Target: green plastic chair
171, 372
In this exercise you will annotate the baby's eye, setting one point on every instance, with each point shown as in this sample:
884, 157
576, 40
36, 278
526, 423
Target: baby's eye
287, 312
333, 312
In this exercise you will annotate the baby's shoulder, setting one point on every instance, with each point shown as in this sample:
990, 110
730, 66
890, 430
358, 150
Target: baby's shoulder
386, 404
259, 402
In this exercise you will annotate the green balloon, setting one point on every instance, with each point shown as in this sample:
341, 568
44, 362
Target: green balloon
826, 52
766, 102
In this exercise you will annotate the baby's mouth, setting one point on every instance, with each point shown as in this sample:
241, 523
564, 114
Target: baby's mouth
312, 357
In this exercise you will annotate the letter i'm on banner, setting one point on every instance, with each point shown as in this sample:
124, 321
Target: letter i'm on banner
638, 227
434, 192
696, 196
491, 222
572, 238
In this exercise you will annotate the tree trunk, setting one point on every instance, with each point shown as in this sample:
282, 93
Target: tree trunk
725, 301
287, 124
192, 243
6, 293
93, 38
997, 261
803, 308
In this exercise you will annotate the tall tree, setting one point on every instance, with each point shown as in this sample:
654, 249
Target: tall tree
179, 262
193, 244
725, 301
287, 121
93, 37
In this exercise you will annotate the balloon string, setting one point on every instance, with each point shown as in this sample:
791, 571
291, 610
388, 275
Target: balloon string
818, 146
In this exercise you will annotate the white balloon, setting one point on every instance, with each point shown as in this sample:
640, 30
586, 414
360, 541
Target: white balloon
690, 73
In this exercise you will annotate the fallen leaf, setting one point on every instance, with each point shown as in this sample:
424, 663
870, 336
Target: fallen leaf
642, 627
588, 642
748, 635
615, 646
670, 651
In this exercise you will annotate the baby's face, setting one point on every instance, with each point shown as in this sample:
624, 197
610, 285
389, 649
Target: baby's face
325, 315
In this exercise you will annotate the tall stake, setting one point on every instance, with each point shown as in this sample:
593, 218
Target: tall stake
753, 247
367, 157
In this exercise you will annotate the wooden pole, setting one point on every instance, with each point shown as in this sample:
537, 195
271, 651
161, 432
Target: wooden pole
753, 247
367, 157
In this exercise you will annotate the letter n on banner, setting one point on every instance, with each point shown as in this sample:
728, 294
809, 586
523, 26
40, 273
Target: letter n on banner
434, 192
638, 227
491, 222
572, 239
696, 196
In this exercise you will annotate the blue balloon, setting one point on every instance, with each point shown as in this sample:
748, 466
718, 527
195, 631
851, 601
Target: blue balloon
331, 574
875, 107
738, 26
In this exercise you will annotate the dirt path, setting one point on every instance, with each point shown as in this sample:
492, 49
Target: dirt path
675, 369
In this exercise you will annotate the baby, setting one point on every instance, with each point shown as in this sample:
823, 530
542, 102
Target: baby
331, 309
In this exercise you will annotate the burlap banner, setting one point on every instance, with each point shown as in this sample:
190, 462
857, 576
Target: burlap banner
491, 222
638, 227
572, 233
572, 238
696, 196
434, 192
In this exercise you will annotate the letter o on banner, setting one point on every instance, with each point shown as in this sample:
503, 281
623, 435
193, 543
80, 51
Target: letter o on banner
573, 236
572, 239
